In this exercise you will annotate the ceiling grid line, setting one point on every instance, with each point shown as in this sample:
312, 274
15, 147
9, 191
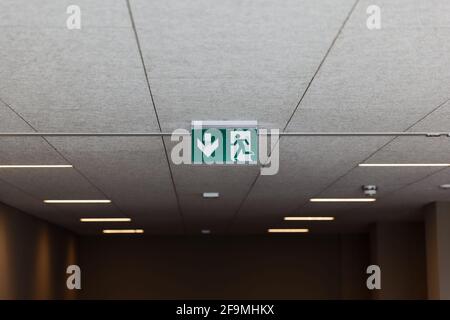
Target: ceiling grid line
321, 63
375, 152
414, 182
103, 97
144, 67
64, 157
21, 190
53, 209
402, 187
379, 149
241, 204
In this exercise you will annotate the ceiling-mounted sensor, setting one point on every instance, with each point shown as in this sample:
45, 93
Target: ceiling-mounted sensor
370, 190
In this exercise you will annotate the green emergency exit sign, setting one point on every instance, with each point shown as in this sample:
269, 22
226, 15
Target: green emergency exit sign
224, 142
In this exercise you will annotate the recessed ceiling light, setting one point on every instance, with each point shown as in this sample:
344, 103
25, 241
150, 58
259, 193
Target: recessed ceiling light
105, 219
77, 201
308, 218
210, 194
445, 186
342, 199
287, 230
112, 231
206, 231
36, 166
404, 165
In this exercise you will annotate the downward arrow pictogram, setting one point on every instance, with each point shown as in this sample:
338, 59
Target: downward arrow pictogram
209, 147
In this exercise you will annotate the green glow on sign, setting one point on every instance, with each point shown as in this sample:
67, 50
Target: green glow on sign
224, 146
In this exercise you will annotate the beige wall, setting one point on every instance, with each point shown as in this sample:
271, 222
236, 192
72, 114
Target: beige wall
34, 256
224, 267
437, 226
432, 249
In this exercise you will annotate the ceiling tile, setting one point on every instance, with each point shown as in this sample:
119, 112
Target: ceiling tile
53, 14
251, 62
90, 80
131, 171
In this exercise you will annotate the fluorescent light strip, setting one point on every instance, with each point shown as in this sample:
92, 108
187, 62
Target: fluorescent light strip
404, 165
105, 219
77, 201
122, 231
14, 166
308, 218
287, 230
342, 199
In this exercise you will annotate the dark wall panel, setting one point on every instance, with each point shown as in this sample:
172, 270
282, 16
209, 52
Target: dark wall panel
216, 267
34, 256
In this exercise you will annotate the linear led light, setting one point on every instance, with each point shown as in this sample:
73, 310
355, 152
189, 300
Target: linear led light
404, 165
287, 230
16, 166
77, 201
308, 218
342, 199
122, 231
105, 219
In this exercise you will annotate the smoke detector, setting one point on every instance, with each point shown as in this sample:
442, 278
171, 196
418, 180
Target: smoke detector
370, 190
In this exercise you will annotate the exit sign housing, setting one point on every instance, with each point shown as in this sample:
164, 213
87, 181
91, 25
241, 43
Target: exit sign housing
225, 142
